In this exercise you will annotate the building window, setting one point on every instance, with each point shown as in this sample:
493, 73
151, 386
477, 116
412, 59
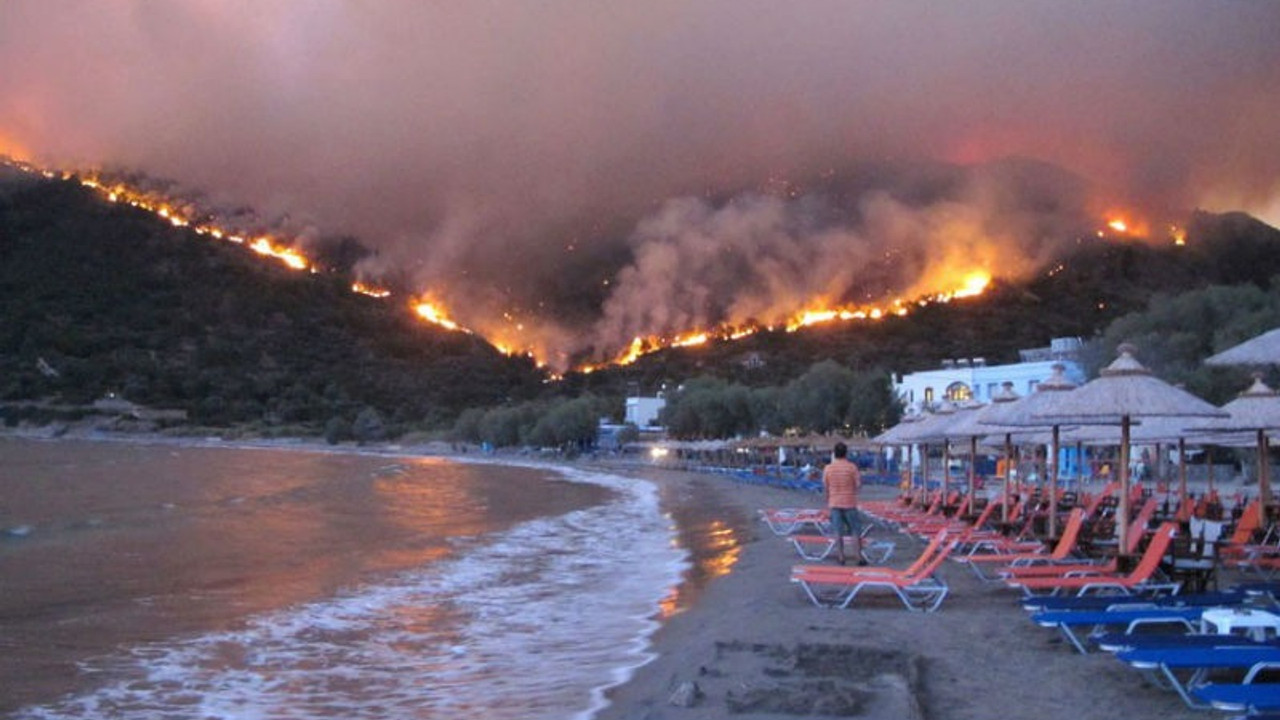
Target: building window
928, 396
991, 389
959, 392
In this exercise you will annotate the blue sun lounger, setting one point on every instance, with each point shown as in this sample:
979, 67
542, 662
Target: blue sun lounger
1132, 618
1115, 642
1249, 696
1166, 663
1102, 602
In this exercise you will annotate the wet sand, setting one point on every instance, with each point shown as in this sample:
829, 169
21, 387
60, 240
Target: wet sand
756, 647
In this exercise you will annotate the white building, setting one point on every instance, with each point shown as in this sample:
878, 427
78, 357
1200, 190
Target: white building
973, 378
643, 411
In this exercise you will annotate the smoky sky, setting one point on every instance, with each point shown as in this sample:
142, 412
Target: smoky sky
599, 170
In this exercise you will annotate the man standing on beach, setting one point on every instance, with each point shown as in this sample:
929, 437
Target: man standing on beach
841, 481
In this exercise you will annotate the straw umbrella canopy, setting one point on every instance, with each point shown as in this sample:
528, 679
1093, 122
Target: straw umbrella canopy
1157, 430
930, 430
1026, 413
1125, 391
985, 419
1261, 350
1257, 410
960, 429
894, 436
949, 415
933, 423
970, 426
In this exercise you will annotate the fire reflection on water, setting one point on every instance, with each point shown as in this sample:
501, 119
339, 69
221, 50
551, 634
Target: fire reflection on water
713, 536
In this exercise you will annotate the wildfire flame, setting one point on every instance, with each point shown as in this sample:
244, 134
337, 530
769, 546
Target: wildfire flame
975, 283
288, 256
965, 283
370, 290
433, 312
264, 245
971, 284
1124, 224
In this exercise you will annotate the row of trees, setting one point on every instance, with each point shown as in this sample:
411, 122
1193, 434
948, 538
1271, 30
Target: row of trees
568, 424
827, 397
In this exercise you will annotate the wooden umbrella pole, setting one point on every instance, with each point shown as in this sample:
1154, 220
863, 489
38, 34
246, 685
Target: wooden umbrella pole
1053, 486
1264, 472
946, 469
1182, 470
908, 468
924, 471
1080, 466
1209, 462
973, 479
1008, 462
1122, 509
1017, 482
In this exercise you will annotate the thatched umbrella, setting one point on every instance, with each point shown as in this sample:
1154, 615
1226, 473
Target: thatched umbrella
988, 415
1026, 413
895, 436
938, 429
957, 430
1261, 350
1123, 391
929, 430
971, 426
1152, 430
1256, 410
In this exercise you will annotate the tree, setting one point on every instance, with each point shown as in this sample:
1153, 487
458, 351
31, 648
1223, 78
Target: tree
708, 407
818, 401
766, 410
1176, 333
572, 422
873, 407
368, 426
467, 426
337, 430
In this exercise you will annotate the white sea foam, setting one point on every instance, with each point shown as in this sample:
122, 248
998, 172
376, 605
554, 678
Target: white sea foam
535, 623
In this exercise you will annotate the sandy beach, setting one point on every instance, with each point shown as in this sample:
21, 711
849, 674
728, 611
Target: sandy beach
756, 647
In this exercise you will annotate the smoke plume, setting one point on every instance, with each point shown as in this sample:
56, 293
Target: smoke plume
566, 176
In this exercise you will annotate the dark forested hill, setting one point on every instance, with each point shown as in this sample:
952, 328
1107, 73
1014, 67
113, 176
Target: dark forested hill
100, 298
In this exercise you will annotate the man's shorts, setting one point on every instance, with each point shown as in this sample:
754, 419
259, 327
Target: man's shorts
845, 521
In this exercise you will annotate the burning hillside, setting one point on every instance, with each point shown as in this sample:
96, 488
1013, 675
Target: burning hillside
703, 271
563, 182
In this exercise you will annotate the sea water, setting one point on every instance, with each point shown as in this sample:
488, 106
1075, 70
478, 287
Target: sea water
243, 583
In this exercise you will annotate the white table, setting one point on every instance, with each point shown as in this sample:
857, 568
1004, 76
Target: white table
1225, 621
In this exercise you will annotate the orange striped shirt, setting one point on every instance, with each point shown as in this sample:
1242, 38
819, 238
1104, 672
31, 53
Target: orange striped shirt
842, 480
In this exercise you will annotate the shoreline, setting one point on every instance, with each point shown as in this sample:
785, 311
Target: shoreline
55, 672
753, 644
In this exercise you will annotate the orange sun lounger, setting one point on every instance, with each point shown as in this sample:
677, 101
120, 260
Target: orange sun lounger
917, 586
1061, 552
1139, 580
